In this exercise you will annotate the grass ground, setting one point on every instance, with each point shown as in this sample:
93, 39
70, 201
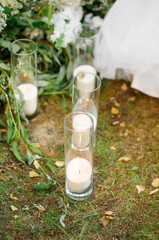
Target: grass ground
133, 134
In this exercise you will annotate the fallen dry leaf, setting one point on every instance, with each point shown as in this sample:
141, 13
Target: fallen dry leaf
104, 221
4, 178
122, 124
26, 208
3, 130
33, 174
124, 159
95, 196
138, 139
154, 191
140, 188
13, 208
13, 198
117, 104
59, 163
36, 145
113, 148
157, 126
155, 182
109, 217
45, 104
40, 207
124, 87
15, 217
114, 111
127, 132
131, 99
36, 164
109, 213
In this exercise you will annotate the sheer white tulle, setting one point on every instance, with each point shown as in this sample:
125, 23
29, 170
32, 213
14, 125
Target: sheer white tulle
127, 45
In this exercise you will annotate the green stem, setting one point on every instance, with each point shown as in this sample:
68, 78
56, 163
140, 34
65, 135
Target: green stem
52, 93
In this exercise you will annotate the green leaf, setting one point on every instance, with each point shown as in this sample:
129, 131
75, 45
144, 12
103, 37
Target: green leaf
15, 48
16, 153
52, 168
50, 12
10, 134
13, 31
7, 10
29, 159
56, 59
23, 132
59, 41
69, 71
33, 148
67, 21
135, 168
38, 24
4, 66
42, 186
6, 44
2, 123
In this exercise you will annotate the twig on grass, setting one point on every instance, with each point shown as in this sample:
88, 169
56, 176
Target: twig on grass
117, 97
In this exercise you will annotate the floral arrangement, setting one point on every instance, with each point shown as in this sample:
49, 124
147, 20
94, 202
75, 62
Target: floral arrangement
50, 24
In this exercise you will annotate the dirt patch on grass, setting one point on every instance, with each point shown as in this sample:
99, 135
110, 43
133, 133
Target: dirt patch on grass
46, 134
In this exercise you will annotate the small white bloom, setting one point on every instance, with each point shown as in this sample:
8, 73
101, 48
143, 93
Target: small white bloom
3, 18
64, 22
96, 20
88, 18
14, 5
54, 36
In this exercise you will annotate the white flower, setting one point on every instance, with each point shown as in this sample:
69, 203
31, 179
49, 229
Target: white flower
64, 22
88, 18
3, 18
54, 36
96, 20
74, 3
72, 13
14, 5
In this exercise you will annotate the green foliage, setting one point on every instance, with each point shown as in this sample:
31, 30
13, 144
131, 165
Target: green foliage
55, 65
59, 42
43, 186
16, 152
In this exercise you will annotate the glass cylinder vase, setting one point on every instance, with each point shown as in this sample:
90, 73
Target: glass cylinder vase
85, 95
78, 143
83, 48
24, 74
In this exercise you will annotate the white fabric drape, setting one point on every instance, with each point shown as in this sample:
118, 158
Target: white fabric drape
129, 40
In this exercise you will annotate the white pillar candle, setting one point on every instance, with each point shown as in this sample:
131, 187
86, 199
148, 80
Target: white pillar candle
87, 105
30, 97
78, 174
81, 123
85, 82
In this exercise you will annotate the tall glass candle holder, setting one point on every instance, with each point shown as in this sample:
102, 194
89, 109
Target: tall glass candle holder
24, 73
85, 95
78, 142
83, 51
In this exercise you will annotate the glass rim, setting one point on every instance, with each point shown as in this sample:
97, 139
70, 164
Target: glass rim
85, 24
24, 40
91, 91
77, 113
